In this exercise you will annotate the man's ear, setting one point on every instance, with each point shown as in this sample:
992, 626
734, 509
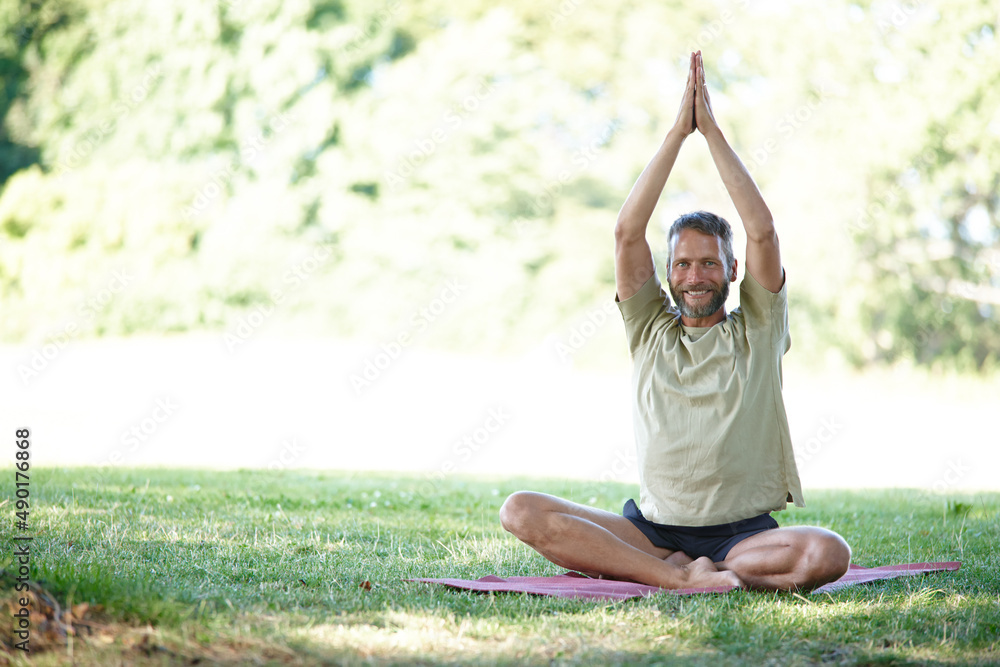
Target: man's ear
732, 278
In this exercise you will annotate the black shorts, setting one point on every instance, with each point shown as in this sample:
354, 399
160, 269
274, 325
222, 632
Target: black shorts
697, 541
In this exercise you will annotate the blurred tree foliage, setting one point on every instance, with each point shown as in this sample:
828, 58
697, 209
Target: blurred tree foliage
929, 238
332, 166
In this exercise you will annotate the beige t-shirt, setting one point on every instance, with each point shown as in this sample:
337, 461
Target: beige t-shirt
710, 425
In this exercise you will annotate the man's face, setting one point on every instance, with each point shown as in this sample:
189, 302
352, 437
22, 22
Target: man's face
698, 276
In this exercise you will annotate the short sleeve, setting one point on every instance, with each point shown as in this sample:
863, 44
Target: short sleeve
643, 310
763, 309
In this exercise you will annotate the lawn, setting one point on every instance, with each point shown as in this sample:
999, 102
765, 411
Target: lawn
297, 567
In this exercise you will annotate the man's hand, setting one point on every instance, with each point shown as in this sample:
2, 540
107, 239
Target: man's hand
703, 117
763, 253
685, 123
633, 258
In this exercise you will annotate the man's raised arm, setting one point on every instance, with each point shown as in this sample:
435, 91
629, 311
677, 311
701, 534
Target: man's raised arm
763, 254
633, 258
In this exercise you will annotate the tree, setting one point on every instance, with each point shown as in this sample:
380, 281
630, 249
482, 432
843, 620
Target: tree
929, 237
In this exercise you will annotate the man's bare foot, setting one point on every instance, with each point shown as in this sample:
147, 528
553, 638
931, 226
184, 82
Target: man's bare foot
679, 558
702, 573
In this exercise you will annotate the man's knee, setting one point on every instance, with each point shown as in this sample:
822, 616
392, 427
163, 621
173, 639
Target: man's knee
829, 558
519, 511
513, 511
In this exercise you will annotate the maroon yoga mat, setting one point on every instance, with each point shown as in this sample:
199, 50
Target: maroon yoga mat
575, 585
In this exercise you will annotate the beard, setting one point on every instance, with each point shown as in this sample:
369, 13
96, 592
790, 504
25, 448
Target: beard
719, 295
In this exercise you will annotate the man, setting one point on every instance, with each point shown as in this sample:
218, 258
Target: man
715, 456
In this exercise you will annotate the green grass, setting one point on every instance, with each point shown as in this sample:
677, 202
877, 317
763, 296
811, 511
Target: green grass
268, 567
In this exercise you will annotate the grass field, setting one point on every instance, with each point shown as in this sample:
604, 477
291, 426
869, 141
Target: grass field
258, 567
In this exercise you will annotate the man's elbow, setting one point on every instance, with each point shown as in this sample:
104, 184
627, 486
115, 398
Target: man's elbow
763, 233
626, 231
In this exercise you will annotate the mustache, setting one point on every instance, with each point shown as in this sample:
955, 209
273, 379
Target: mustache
700, 288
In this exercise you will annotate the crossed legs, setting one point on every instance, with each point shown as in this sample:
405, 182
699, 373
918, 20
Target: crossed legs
601, 543
789, 558
596, 542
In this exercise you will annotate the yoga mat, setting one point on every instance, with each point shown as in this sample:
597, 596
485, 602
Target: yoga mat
575, 585
862, 575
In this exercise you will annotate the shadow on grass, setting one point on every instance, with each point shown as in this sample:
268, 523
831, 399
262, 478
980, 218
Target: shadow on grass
309, 568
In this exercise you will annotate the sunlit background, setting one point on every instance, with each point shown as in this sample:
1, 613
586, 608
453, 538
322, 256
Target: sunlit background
367, 235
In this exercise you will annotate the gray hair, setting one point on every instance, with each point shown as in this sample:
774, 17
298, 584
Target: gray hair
706, 223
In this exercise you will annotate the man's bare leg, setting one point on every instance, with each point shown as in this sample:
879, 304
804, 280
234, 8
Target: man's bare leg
596, 542
797, 557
